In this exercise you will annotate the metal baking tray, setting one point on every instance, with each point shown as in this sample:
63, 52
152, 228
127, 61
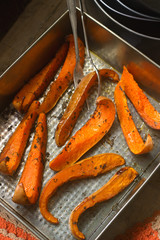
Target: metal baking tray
108, 51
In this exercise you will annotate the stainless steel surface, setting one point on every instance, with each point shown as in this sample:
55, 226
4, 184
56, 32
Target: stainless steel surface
113, 52
78, 71
37, 17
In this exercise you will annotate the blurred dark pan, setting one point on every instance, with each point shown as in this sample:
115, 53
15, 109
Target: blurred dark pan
148, 7
137, 10
145, 27
118, 8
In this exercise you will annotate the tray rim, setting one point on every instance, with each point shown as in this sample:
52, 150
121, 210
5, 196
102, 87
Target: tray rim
22, 220
98, 232
10, 209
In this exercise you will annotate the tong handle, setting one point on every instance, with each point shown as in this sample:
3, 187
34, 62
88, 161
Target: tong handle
87, 47
73, 19
84, 28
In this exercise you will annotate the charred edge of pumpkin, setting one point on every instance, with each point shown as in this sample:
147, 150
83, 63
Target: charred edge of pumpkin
43, 206
20, 196
75, 232
102, 100
148, 145
3, 166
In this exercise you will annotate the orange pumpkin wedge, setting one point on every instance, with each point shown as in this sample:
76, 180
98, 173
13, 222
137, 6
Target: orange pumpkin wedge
145, 109
90, 167
115, 185
86, 137
29, 185
13, 151
65, 78
131, 134
69, 118
35, 87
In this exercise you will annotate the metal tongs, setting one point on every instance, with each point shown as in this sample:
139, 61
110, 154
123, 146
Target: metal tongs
78, 71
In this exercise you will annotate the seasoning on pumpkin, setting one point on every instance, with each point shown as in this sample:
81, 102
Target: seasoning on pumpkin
77, 171
70, 116
87, 136
37, 85
65, 78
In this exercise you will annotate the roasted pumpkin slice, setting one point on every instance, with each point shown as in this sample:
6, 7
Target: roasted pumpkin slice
86, 137
115, 185
90, 167
28, 188
12, 153
131, 134
76, 103
35, 87
145, 109
65, 78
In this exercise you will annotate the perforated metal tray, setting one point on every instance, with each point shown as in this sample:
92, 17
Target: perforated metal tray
114, 53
